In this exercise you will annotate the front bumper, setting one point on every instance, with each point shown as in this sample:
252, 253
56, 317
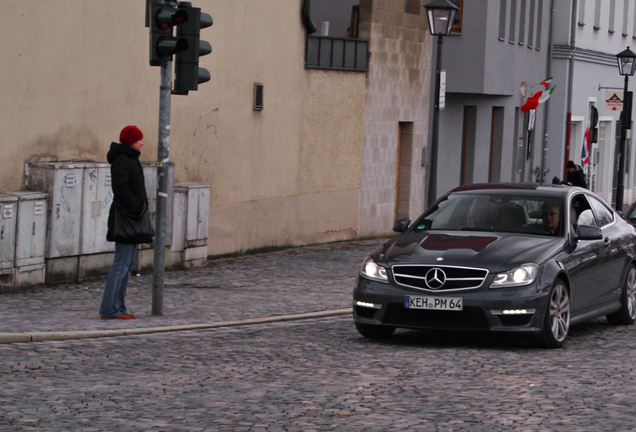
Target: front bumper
517, 309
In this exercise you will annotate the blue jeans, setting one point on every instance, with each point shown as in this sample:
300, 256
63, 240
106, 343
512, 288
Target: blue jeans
113, 302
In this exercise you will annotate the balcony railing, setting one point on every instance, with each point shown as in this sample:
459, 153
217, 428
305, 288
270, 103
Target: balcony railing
334, 53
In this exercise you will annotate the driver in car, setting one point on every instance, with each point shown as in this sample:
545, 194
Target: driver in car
550, 216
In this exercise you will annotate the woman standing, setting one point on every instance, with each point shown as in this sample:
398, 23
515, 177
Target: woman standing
129, 191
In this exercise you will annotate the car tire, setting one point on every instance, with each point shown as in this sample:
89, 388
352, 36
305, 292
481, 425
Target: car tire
374, 331
556, 323
626, 315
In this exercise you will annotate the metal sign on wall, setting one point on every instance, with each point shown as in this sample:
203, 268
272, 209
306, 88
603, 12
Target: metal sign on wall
614, 101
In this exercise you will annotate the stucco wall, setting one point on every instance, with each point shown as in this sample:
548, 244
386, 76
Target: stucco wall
71, 80
76, 72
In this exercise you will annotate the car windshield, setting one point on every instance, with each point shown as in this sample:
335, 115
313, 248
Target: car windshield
529, 214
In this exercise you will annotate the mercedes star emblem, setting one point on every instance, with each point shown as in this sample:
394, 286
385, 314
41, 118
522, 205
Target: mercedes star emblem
435, 278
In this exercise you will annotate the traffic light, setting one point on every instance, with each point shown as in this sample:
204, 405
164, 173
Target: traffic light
162, 44
188, 74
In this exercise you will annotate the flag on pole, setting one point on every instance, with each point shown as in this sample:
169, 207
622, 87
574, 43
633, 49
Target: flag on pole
546, 94
546, 83
585, 151
539, 97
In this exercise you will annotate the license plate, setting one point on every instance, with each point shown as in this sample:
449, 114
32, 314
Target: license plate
434, 303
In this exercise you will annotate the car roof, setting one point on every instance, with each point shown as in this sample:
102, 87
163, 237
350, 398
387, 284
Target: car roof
553, 190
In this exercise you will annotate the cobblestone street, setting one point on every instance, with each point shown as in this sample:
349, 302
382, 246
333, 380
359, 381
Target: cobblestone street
314, 374
320, 375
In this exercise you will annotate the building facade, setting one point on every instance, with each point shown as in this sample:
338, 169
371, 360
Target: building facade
589, 35
495, 58
286, 174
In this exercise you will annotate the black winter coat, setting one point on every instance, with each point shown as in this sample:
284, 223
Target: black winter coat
127, 181
577, 177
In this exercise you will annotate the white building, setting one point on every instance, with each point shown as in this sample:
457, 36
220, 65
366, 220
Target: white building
587, 36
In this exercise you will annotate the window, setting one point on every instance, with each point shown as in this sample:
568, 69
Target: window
597, 15
612, 16
531, 25
513, 22
634, 29
500, 212
412, 7
522, 22
539, 21
580, 212
457, 24
581, 12
625, 13
496, 144
469, 131
502, 19
603, 215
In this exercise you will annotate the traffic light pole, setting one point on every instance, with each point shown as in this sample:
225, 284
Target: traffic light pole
162, 16
163, 148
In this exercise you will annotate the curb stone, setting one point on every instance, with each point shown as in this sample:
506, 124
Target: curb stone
8, 338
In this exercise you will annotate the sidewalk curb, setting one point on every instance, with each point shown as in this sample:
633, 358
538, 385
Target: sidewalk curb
8, 338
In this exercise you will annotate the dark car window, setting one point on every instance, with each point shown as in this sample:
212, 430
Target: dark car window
603, 214
520, 213
580, 212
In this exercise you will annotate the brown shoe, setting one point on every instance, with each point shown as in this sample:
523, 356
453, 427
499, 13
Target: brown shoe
124, 316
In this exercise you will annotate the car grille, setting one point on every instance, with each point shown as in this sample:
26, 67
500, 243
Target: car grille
470, 318
439, 278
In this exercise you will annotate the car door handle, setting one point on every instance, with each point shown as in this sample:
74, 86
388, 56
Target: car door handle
607, 242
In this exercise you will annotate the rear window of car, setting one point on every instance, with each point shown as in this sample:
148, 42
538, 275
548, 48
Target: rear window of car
491, 212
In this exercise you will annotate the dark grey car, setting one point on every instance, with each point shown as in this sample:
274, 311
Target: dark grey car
502, 257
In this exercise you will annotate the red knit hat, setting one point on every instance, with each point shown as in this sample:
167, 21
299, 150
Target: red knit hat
130, 135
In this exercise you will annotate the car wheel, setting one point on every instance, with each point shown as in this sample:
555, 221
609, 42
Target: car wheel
626, 315
556, 324
374, 331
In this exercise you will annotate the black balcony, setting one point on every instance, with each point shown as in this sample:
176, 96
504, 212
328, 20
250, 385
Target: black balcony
334, 53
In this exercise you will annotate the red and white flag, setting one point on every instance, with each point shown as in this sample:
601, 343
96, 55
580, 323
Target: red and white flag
585, 151
539, 97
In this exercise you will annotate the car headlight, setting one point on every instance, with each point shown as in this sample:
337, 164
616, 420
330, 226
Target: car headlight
522, 275
373, 271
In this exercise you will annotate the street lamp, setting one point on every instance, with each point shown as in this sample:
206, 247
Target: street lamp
626, 67
441, 15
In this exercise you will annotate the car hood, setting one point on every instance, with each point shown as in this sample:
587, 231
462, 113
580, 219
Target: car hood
493, 251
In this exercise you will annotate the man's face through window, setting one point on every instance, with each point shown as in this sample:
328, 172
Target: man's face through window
550, 216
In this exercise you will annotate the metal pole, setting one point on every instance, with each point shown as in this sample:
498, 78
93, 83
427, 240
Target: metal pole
162, 189
432, 177
620, 188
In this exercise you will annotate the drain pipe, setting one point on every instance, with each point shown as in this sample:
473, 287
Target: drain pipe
568, 124
544, 153
305, 14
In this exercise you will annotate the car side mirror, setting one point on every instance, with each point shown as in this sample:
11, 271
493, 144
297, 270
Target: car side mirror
589, 232
401, 225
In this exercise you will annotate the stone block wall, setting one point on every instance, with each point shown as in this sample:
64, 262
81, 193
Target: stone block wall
397, 91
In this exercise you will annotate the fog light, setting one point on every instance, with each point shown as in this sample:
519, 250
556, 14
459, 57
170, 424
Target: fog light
513, 312
368, 305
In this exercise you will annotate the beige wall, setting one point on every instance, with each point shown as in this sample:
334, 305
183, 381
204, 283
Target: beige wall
75, 72
71, 80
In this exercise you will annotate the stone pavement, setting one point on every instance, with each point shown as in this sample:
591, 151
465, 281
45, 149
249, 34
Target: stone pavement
283, 285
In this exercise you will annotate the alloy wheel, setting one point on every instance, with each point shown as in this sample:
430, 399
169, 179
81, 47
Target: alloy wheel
560, 311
